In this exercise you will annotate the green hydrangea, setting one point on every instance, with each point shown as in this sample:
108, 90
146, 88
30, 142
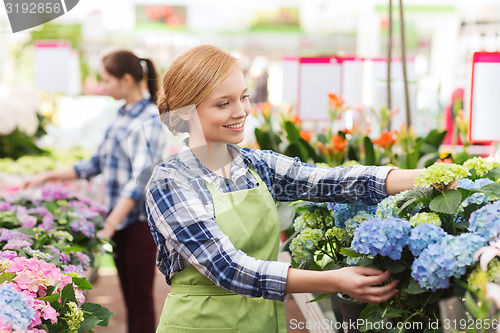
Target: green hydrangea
478, 278
441, 174
429, 218
317, 219
353, 223
350, 163
73, 317
336, 233
304, 244
481, 165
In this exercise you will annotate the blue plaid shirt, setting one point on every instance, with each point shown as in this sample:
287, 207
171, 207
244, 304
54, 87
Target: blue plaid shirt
132, 146
182, 219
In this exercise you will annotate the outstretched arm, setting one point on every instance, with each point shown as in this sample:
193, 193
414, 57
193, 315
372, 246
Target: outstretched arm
39, 179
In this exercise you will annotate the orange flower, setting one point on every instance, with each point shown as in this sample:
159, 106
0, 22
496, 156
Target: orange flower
339, 143
265, 108
386, 139
306, 135
321, 148
446, 160
296, 120
336, 102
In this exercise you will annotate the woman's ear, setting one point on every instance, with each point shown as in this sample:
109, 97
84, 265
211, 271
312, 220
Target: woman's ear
127, 79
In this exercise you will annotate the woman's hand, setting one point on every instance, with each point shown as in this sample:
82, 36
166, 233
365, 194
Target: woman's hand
107, 232
364, 284
33, 181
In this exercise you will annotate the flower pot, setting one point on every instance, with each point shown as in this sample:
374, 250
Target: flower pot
350, 310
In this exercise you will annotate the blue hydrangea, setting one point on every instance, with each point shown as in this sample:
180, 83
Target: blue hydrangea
386, 237
463, 248
468, 184
303, 245
485, 221
434, 267
345, 211
423, 235
440, 261
15, 308
353, 223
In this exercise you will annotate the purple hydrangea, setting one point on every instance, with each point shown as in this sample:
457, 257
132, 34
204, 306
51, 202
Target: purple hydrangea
468, 184
4, 206
15, 308
16, 244
51, 193
7, 254
345, 211
423, 235
85, 227
386, 237
8, 234
72, 269
47, 222
83, 259
27, 221
485, 221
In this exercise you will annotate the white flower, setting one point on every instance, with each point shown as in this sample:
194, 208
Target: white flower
487, 253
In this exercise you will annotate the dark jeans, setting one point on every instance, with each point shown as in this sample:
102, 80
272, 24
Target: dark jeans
135, 259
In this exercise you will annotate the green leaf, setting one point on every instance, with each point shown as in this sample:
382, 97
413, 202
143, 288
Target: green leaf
99, 311
350, 253
369, 151
82, 283
292, 133
393, 312
6, 276
53, 299
414, 288
435, 138
88, 323
395, 266
492, 189
68, 294
319, 298
296, 150
446, 202
494, 174
51, 206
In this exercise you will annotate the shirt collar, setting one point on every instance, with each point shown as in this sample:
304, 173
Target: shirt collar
135, 109
238, 166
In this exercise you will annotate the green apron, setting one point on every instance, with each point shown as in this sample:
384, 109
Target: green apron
250, 219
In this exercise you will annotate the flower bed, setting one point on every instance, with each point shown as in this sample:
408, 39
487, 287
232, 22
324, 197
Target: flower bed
47, 242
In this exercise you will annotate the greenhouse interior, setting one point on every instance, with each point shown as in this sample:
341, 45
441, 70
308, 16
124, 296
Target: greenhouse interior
330, 169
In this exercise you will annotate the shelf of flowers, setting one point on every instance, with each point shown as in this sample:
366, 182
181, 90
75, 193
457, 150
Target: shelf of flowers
430, 238
47, 244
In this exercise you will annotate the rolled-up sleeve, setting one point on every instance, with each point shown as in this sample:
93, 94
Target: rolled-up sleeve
88, 168
188, 225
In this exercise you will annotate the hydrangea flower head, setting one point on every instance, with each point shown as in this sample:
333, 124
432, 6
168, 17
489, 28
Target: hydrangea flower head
486, 221
345, 211
15, 308
304, 243
387, 207
423, 235
353, 223
386, 237
428, 218
433, 268
480, 165
441, 173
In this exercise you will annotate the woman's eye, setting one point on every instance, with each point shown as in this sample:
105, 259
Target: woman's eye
223, 105
245, 96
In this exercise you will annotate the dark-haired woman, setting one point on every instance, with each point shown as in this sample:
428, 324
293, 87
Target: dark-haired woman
132, 145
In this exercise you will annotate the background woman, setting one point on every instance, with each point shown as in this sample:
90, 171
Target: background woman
133, 143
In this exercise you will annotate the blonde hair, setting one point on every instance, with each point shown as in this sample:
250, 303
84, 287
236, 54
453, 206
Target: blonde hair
189, 79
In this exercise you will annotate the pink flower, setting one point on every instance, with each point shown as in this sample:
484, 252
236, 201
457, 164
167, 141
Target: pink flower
487, 253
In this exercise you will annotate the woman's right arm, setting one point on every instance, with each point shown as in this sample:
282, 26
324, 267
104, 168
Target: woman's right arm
362, 283
39, 179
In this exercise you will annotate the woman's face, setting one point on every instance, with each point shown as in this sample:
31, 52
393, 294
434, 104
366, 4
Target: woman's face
223, 112
112, 85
